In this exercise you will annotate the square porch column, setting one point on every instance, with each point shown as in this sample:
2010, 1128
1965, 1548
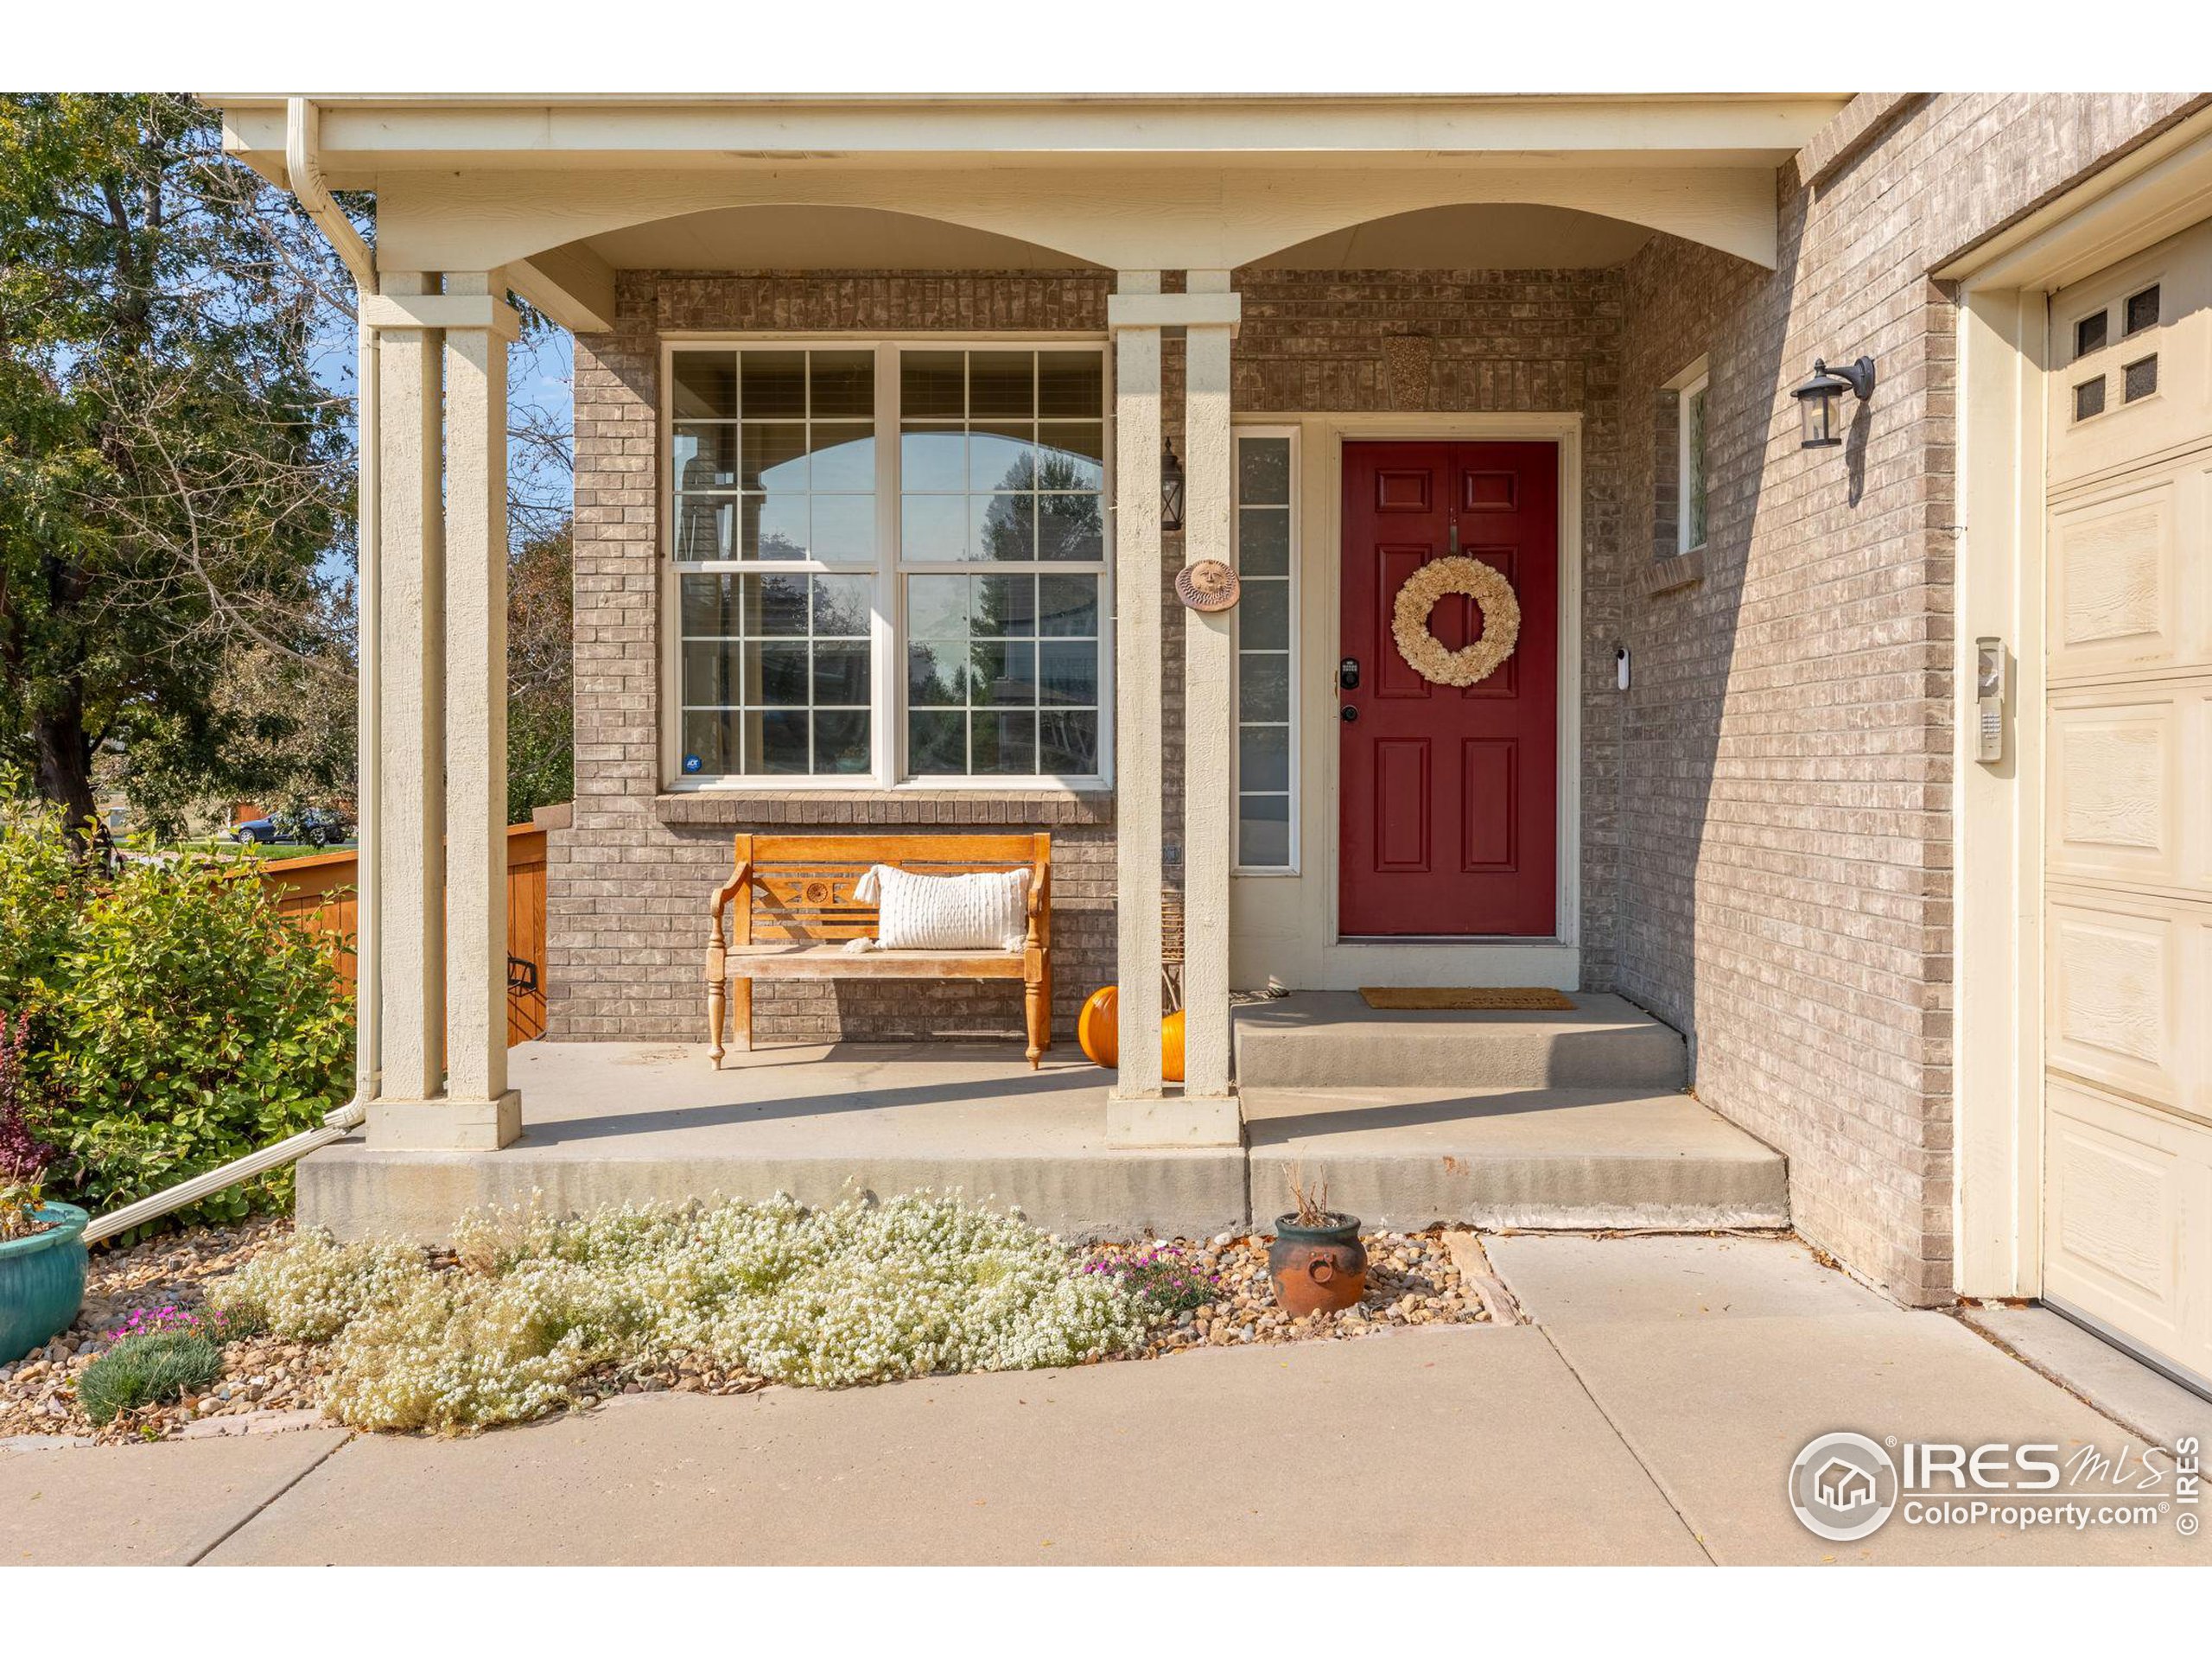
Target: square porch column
1209, 721
433, 1024
479, 1110
1141, 1111
1138, 829
404, 846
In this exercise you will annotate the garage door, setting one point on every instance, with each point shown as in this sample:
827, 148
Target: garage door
2127, 991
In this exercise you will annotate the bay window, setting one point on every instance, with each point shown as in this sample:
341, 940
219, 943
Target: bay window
889, 562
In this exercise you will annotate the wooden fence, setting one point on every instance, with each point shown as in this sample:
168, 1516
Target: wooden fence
318, 894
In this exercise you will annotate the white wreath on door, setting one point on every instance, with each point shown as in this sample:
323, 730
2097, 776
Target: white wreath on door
1428, 656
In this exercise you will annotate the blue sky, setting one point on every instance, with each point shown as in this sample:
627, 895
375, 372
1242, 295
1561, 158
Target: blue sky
538, 383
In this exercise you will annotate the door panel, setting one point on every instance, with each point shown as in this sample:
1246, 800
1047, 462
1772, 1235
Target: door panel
1449, 795
2128, 812
1488, 767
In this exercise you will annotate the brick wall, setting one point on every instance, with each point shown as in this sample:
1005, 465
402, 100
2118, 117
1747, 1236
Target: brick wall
1785, 890
626, 893
1477, 340
627, 896
1767, 825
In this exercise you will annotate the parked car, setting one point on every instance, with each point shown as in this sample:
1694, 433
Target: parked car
316, 827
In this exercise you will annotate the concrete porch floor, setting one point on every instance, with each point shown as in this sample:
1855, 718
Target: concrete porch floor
608, 1122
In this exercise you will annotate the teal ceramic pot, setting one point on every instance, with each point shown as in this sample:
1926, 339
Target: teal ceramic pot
42, 1282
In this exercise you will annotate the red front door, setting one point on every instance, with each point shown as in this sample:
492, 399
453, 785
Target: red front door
1450, 794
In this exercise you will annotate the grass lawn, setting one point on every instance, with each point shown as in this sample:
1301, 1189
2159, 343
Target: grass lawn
271, 849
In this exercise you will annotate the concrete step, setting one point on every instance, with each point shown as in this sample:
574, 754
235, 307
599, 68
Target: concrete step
1325, 1039
1536, 1158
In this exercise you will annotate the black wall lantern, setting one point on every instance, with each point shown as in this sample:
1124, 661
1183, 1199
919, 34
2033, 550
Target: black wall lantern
1818, 398
1171, 487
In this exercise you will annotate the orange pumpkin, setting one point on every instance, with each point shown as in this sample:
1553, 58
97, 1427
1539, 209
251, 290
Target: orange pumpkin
1098, 1030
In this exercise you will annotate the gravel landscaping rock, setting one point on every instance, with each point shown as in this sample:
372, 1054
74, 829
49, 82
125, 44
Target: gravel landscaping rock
38, 1393
268, 1385
1411, 1280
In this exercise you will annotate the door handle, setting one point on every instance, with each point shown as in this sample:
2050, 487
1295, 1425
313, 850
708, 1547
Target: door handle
1348, 714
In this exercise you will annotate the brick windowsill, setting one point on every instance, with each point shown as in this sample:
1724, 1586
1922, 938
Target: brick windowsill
1671, 574
836, 809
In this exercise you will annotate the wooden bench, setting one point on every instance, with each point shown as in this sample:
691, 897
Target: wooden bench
796, 912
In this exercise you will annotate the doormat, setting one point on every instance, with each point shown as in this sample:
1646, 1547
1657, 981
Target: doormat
1521, 999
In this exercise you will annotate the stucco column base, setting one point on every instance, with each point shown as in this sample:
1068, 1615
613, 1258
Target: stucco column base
446, 1125
1174, 1121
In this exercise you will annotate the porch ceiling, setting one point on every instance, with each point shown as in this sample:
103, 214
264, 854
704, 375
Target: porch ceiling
1494, 236
787, 237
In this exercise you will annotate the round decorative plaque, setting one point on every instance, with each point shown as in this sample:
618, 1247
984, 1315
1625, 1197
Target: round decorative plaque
1208, 585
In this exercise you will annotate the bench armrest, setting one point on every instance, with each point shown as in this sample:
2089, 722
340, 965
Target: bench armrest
1040, 895
717, 942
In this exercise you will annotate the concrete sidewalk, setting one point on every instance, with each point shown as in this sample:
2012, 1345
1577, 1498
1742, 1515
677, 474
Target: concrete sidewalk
1648, 1414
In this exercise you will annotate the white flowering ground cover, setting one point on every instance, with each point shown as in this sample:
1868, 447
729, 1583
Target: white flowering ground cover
858, 1293
531, 1314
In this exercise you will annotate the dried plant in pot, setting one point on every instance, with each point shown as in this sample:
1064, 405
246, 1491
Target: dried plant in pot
1315, 1261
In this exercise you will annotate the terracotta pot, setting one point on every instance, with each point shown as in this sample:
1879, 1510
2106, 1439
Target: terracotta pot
1098, 1032
1317, 1269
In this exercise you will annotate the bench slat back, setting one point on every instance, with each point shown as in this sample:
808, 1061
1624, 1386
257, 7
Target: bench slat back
801, 886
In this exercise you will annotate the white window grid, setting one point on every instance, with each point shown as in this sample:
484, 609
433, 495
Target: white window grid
887, 724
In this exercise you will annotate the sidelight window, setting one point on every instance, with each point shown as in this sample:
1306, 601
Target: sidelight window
1266, 652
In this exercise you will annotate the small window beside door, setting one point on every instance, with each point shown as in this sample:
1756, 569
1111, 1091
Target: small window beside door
1679, 467
1267, 654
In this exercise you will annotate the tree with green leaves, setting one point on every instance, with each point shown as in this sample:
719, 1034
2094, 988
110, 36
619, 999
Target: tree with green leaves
176, 484
541, 721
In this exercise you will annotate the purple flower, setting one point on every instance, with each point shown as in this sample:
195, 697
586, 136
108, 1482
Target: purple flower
23, 1156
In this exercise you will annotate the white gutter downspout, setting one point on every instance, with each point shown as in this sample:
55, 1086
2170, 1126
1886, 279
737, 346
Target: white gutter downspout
303, 167
301, 141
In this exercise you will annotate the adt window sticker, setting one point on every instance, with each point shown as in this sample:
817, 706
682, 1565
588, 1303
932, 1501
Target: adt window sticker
690, 764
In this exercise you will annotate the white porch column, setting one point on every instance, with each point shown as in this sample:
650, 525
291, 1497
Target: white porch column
368, 833
1139, 1112
1210, 723
436, 936
1138, 830
480, 1110
406, 848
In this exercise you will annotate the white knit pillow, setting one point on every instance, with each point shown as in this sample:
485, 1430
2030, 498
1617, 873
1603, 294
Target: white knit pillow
985, 910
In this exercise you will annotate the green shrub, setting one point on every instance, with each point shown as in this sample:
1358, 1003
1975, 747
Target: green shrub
42, 890
178, 1021
149, 1370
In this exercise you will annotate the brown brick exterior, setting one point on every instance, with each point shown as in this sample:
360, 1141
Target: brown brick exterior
627, 894
1767, 812
1785, 868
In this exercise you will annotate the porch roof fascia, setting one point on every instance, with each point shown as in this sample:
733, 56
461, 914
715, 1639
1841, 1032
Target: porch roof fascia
364, 134
521, 183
